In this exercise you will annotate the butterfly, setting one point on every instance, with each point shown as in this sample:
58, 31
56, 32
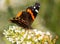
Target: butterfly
26, 18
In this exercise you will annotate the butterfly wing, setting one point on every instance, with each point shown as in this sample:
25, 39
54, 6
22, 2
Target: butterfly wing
26, 18
22, 20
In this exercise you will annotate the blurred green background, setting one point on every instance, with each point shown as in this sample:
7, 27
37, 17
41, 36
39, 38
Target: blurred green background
49, 15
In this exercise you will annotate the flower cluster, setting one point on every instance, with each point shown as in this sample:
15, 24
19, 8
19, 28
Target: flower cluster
19, 35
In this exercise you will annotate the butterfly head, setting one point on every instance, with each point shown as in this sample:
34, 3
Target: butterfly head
36, 7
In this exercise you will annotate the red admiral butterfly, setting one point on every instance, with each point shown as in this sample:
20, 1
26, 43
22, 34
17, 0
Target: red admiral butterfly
26, 18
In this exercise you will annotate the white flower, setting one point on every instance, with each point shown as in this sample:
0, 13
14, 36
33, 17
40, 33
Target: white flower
23, 42
20, 35
41, 33
16, 39
10, 39
40, 38
23, 30
47, 33
36, 33
6, 32
51, 37
36, 40
21, 39
11, 27
28, 42
31, 34
24, 36
13, 41
17, 31
35, 30
45, 42
28, 37
6, 36
14, 27
18, 42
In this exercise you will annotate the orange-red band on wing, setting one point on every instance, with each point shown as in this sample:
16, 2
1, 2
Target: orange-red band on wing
19, 14
28, 10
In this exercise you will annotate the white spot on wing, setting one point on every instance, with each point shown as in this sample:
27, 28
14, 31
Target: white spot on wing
36, 10
34, 7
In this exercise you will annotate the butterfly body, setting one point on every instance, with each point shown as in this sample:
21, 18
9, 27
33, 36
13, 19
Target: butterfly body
26, 18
